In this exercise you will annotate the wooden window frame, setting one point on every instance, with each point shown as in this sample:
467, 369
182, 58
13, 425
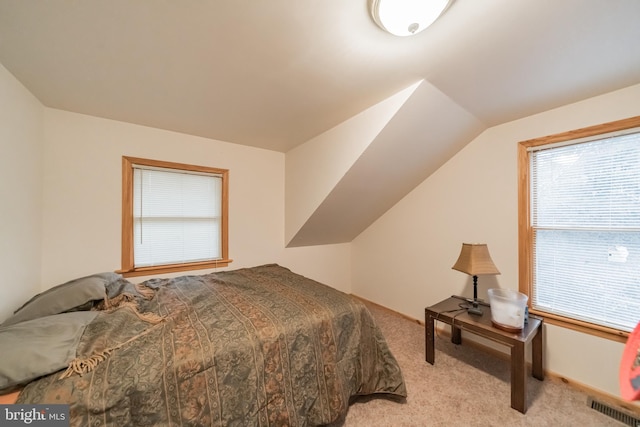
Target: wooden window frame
525, 232
128, 267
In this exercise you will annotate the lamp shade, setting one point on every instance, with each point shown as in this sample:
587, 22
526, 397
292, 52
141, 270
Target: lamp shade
475, 260
406, 17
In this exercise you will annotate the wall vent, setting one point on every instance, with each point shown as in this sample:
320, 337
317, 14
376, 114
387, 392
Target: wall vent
615, 413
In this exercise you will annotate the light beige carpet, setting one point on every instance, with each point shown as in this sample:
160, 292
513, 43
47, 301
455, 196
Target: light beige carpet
465, 387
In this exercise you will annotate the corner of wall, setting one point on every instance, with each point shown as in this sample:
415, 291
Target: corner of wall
21, 142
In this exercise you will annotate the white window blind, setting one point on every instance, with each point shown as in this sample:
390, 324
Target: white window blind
176, 216
585, 216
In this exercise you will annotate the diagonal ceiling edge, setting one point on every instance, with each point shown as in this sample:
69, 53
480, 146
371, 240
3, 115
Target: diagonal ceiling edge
314, 168
427, 130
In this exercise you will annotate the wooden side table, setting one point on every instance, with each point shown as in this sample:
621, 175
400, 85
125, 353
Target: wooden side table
445, 311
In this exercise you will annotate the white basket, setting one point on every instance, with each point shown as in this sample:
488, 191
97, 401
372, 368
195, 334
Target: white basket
507, 307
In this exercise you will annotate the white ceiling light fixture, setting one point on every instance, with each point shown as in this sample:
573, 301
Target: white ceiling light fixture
406, 17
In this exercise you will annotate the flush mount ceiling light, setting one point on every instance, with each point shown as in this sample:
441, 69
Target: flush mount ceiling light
406, 17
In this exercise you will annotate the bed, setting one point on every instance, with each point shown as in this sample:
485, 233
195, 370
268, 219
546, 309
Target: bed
259, 346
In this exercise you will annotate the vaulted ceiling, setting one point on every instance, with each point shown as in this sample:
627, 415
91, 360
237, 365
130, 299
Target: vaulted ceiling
276, 74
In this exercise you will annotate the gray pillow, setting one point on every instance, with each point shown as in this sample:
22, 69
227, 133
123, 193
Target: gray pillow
78, 294
31, 349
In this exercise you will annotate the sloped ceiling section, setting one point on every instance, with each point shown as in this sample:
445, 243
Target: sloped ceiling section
425, 132
314, 168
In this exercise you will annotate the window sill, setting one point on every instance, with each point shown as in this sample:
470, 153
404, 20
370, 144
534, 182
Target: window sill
584, 327
173, 268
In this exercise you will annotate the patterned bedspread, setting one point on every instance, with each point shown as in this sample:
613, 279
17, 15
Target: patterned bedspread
259, 346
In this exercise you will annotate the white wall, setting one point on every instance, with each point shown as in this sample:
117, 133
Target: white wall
20, 193
403, 261
82, 198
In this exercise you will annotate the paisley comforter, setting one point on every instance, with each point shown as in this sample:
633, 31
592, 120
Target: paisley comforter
260, 346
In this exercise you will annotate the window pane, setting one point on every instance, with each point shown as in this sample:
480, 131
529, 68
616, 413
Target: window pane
593, 184
160, 241
169, 194
177, 217
588, 275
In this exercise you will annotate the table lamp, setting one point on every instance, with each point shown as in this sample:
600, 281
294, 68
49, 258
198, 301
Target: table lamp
474, 260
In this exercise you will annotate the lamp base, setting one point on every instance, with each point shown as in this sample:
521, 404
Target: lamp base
474, 309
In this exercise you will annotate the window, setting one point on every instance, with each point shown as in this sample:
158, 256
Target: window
174, 217
579, 232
